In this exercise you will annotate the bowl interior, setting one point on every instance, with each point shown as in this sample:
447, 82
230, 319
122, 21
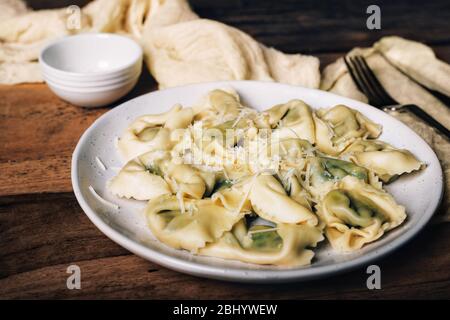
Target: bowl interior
91, 53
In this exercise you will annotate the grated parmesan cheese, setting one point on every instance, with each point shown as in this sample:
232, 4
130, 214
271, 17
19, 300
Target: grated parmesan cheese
191, 208
308, 174
179, 196
242, 113
105, 202
100, 163
241, 204
262, 230
225, 174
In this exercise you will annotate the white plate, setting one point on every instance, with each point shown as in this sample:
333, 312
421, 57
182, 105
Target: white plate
420, 193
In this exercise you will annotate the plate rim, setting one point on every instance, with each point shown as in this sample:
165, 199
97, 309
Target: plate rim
236, 274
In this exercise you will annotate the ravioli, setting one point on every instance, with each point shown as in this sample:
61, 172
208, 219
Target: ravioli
286, 245
323, 172
339, 126
155, 173
233, 196
384, 160
356, 213
205, 222
227, 181
294, 120
218, 107
271, 202
139, 179
153, 132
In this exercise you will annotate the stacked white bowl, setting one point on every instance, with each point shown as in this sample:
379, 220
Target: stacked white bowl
91, 69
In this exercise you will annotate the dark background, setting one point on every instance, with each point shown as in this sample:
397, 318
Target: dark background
320, 26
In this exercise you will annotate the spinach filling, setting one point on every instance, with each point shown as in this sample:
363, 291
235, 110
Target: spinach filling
335, 169
352, 209
265, 240
221, 184
148, 134
260, 234
153, 169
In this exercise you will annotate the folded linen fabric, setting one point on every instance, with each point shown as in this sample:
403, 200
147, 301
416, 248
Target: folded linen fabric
418, 61
23, 32
179, 47
205, 50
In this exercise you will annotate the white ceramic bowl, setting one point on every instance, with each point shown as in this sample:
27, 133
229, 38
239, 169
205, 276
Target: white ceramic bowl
92, 77
90, 83
420, 192
93, 97
91, 54
92, 69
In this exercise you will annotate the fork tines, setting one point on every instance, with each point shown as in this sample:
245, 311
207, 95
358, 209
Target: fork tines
367, 82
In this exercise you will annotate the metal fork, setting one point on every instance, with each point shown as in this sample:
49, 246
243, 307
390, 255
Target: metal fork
367, 82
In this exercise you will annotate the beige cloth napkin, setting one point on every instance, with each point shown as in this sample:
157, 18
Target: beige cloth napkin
205, 50
391, 58
179, 47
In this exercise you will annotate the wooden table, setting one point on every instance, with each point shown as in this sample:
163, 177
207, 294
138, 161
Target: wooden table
43, 230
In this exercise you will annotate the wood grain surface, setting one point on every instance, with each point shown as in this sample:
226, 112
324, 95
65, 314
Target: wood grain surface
43, 230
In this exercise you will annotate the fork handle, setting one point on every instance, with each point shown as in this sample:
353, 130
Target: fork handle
427, 118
